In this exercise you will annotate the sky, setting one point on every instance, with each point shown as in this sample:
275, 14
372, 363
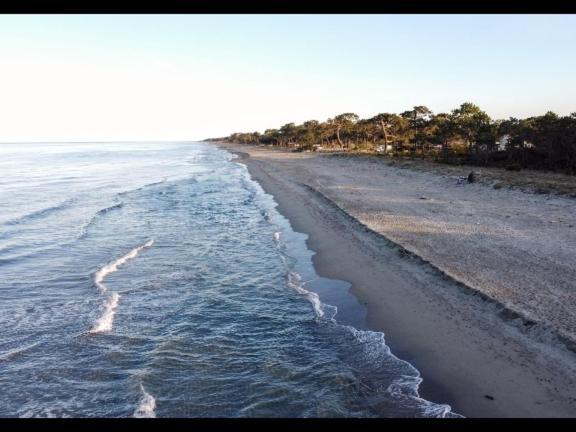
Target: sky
189, 77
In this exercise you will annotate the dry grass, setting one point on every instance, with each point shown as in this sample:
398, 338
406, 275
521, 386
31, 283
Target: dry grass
540, 182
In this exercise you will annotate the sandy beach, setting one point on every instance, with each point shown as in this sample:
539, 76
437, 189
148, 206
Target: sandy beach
471, 284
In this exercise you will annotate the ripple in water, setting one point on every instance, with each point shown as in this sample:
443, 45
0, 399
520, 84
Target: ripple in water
221, 318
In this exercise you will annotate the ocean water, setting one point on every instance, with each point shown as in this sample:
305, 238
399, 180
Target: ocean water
158, 280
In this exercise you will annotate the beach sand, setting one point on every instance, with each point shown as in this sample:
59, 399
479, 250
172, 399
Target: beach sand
472, 285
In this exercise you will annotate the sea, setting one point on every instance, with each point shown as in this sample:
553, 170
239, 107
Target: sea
157, 279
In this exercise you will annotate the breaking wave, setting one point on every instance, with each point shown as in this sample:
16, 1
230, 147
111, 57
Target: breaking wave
104, 323
147, 406
113, 266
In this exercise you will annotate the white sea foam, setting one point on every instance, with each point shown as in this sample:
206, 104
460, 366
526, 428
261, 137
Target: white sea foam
277, 237
295, 282
113, 266
147, 405
104, 323
405, 388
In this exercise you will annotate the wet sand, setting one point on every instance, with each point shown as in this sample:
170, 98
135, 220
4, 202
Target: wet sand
468, 283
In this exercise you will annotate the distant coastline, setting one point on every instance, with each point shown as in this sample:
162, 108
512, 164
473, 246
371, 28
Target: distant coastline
466, 135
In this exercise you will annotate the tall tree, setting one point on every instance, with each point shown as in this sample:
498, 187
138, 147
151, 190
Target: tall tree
390, 125
419, 120
344, 122
287, 134
310, 133
470, 122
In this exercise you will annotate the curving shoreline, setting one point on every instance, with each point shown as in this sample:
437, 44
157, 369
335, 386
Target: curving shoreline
471, 352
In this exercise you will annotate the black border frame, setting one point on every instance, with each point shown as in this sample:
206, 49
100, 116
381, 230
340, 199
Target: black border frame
294, 7
287, 6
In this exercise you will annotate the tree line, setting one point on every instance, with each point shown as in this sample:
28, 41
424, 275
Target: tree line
465, 135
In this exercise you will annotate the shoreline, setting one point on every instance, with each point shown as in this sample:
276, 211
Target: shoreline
469, 355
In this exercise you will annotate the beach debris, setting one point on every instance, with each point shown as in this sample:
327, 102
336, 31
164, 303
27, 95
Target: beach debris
489, 397
423, 197
403, 252
470, 178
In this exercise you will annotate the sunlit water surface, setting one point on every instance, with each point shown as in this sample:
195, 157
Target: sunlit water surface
157, 279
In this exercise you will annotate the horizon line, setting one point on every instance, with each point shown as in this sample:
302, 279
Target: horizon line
101, 141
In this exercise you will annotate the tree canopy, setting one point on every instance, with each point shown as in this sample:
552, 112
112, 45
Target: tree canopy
465, 135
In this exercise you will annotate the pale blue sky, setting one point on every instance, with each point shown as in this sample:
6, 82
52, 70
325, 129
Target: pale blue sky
92, 77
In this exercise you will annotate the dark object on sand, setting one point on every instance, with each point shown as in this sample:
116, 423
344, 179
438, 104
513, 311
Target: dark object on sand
489, 397
513, 167
471, 177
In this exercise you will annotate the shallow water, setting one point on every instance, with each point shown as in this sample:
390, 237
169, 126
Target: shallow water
157, 279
